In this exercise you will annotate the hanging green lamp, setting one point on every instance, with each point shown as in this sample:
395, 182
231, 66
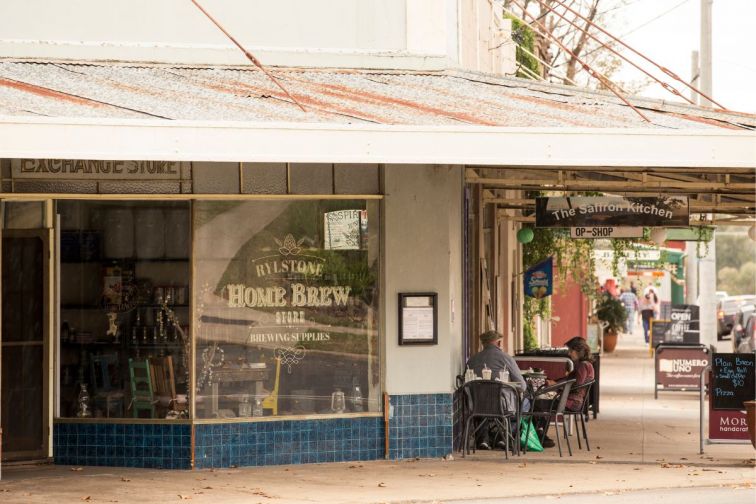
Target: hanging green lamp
525, 235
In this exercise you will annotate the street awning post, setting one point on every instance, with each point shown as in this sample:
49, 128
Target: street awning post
702, 394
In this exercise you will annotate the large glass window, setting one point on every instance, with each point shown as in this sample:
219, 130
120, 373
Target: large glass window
125, 297
286, 307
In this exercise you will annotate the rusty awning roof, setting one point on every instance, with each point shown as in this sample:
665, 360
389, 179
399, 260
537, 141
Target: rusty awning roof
90, 90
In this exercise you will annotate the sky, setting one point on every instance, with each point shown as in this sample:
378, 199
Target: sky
670, 38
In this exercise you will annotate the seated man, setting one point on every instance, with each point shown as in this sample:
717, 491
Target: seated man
495, 359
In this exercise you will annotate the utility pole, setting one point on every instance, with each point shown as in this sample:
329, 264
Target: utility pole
706, 51
695, 73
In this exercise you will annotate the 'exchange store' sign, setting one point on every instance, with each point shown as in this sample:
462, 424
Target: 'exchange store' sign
81, 169
611, 211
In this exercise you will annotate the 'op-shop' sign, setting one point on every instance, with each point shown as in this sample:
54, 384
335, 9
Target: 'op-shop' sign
604, 211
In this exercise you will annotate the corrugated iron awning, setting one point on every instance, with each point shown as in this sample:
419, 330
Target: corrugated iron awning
336, 96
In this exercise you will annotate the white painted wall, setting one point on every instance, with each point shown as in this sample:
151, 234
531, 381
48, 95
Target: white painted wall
407, 34
423, 252
336, 24
485, 37
280, 32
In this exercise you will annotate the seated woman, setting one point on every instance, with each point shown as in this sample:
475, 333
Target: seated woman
582, 372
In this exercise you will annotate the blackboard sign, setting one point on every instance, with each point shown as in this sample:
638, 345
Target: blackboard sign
733, 380
659, 329
684, 318
668, 331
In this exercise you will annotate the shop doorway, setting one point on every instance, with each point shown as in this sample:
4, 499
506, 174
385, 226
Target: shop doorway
23, 349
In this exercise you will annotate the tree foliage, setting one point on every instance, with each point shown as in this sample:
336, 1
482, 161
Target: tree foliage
525, 39
736, 261
551, 21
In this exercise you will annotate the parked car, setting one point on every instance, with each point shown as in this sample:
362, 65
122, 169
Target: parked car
721, 295
726, 310
748, 342
742, 331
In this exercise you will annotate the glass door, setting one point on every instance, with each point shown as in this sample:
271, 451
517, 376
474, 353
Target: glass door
23, 348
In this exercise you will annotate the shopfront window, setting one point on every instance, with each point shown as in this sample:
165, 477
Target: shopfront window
286, 307
125, 282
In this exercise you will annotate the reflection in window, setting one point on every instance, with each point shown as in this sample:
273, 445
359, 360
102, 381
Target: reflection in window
124, 294
286, 307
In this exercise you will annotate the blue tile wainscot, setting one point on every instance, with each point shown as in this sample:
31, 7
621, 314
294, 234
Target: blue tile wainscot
155, 446
288, 442
421, 426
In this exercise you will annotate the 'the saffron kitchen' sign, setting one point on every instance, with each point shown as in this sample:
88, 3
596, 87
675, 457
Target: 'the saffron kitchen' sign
611, 211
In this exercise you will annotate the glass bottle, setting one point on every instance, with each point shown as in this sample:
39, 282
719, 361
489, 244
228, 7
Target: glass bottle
356, 399
83, 402
257, 409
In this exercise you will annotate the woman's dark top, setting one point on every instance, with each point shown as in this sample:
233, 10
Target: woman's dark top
582, 373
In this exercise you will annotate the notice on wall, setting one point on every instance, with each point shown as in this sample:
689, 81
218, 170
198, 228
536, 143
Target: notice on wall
418, 318
734, 380
417, 323
342, 229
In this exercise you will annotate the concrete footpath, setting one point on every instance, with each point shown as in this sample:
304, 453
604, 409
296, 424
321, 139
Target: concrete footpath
638, 443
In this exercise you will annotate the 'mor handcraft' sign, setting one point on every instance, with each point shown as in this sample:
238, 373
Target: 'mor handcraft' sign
611, 211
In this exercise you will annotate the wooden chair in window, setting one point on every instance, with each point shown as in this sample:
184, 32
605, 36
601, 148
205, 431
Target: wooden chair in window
105, 384
142, 396
163, 382
271, 400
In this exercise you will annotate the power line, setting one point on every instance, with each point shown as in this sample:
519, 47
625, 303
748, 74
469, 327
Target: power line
597, 75
586, 31
638, 53
654, 18
249, 55
635, 29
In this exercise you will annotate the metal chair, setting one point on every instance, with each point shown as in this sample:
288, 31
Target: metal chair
494, 401
581, 413
553, 412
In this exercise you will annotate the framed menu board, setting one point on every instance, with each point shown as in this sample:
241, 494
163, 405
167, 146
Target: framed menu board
418, 318
733, 380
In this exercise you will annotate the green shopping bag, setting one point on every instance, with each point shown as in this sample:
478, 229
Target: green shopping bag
532, 441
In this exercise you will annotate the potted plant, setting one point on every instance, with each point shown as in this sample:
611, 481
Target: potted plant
611, 314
